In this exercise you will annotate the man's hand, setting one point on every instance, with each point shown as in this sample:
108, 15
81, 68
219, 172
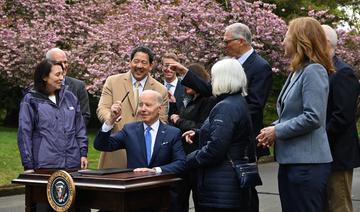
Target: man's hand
144, 170
189, 136
171, 97
115, 113
178, 68
83, 162
29, 171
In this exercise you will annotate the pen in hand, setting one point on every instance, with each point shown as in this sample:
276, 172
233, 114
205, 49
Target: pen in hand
119, 118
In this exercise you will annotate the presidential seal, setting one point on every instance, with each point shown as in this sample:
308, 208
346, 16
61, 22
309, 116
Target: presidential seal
60, 191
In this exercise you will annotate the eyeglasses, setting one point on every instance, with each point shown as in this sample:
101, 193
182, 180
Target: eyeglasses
228, 41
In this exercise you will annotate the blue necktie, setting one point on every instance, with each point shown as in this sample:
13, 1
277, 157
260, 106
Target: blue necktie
168, 86
148, 144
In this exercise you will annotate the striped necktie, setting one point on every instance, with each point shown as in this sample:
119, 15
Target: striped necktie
136, 94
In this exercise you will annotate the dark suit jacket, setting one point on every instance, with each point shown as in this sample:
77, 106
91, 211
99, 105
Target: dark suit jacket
168, 152
341, 119
174, 108
259, 77
77, 87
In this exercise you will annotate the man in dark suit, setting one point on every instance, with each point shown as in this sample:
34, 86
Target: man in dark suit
150, 144
77, 87
341, 130
173, 84
237, 39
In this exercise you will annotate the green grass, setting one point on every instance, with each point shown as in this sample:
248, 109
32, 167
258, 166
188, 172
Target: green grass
10, 162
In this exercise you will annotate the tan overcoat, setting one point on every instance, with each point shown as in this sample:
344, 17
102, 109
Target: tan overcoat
114, 90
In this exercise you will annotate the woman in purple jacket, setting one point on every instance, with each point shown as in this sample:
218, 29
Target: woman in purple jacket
51, 132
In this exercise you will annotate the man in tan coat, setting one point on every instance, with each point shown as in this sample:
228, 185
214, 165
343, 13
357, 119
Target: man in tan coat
116, 88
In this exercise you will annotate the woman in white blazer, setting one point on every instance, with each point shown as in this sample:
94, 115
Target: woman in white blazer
301, 144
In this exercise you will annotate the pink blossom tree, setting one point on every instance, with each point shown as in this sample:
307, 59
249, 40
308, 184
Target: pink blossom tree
99, 35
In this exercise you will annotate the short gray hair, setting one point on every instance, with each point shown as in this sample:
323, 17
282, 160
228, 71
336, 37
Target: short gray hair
239, 30
331, 35
49, 53
228, 76
155, 94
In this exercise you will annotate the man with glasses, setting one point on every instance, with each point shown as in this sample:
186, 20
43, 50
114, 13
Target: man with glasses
77, 87
237, 39
172, 84
125, 88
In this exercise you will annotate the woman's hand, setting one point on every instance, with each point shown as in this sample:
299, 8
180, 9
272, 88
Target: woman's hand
174, 118
178, 68
188, 135
84, 163
266, 137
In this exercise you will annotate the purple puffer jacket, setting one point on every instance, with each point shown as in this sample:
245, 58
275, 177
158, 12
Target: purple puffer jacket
51, 135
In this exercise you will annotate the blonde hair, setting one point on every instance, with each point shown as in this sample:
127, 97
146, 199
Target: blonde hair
228, 77
170, 55
310, 44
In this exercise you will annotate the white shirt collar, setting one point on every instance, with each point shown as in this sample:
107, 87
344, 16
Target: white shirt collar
245, 56
154, 126
142, 82
173, 83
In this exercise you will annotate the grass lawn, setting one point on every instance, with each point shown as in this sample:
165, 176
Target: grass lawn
10, 162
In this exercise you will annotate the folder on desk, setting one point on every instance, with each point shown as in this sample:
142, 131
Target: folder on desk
104, 171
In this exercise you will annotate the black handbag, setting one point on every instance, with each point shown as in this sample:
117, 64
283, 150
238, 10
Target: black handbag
247, 173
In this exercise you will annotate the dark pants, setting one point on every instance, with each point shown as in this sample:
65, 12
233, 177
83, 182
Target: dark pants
254, 199
302, 187
208, 209
189, 183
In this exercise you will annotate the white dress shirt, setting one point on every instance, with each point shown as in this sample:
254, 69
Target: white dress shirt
153, 132
142, 84
173, 87
245, 56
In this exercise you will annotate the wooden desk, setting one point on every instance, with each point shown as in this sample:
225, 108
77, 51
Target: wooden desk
117, 192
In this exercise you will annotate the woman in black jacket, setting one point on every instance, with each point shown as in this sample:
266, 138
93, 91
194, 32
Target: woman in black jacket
196, 110
225, 133
192, 116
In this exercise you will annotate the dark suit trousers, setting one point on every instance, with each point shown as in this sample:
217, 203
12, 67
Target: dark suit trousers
302, 187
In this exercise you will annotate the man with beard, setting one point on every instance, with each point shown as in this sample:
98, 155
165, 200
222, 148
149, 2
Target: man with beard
127, 87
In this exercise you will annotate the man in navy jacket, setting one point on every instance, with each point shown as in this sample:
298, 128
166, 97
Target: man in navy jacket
341, 129
164, 153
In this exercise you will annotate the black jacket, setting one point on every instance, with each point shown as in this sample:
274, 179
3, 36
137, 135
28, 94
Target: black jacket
341, 119
77, 87
193, 116
226, 131
259, 76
